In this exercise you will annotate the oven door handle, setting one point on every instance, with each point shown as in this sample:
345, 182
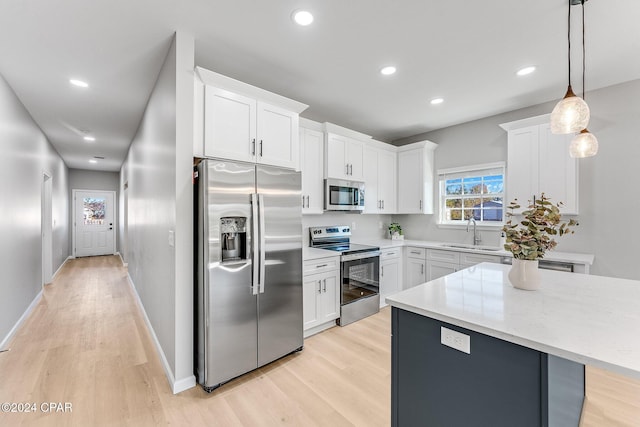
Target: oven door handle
361, 255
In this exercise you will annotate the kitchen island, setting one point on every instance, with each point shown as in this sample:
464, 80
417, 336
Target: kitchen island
523, 352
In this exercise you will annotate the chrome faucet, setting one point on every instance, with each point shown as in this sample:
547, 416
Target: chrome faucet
476, 237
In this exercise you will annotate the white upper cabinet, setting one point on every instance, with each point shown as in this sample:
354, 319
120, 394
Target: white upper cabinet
379, 173
245, 123
343, 157
539, 162
416, 178
311, 155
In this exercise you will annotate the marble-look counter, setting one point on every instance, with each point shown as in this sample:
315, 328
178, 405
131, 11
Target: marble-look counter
591, 320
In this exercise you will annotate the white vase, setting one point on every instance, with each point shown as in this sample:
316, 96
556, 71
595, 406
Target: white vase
524, 274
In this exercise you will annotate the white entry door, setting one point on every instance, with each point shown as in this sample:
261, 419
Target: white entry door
94, 222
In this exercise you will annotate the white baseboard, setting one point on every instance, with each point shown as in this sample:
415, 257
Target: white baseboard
22, 318
176, 385
60, 268
124, 264
317, 329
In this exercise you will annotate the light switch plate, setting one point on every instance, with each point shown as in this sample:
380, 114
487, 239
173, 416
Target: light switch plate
456, 340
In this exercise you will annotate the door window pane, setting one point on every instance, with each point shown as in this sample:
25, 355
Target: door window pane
93, 210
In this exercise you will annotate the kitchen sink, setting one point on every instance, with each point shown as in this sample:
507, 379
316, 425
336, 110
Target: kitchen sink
475, 247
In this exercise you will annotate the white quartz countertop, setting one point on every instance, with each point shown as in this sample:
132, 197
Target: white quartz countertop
571, 257
592, 320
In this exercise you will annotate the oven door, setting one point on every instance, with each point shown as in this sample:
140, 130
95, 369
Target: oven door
360, 276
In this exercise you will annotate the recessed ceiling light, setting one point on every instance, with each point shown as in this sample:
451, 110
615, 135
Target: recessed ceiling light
89, 138
302, 17
436, 101
93, 161
387, 71
78, 83
526, 70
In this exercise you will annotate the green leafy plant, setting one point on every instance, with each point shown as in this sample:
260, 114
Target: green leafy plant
394, 227
532, 237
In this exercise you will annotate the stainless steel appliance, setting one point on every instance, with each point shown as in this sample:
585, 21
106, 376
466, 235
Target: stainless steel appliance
545, 264
249, 287
342, 195
359, 272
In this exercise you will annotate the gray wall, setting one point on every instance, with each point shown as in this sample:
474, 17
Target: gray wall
608, 181
159, 196
81, 179
25, 153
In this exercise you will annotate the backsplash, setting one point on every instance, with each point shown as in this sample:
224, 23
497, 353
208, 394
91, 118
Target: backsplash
367, 227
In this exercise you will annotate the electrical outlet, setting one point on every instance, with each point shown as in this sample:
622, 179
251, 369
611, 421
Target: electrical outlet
456, 340
353, 226
380, 225
172, 239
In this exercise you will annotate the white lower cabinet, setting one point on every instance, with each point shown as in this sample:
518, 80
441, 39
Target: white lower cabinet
443, 262
416, 267
321, 294
390, 273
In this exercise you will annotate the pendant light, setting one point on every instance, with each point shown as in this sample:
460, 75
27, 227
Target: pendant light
585, 144
571, 113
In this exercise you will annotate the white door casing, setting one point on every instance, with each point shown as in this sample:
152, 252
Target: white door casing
47, 228
94, 222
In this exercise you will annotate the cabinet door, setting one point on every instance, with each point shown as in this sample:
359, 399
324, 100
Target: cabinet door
330, 300
522, 166
354, 156
312, 294
410, 182
229, 125
389, 278
277, 140
438, 269
558, 175
312, 149
387, 191
335, 160
371, 169
416, 272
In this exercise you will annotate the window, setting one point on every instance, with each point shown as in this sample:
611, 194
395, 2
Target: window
472, 192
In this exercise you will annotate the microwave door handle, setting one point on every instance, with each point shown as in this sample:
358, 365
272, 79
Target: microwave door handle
262, 242
255, 244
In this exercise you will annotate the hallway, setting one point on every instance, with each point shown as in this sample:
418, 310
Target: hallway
86, 346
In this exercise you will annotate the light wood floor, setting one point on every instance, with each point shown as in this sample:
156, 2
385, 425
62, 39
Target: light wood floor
86, 343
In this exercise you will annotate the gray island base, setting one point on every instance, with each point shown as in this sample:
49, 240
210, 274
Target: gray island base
497, 384
470, 350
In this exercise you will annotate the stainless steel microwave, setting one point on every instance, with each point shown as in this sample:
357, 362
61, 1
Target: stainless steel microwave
342, 195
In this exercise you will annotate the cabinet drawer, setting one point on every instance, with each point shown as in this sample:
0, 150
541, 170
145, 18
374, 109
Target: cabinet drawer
472, 259
390, 253
320, 265
447, 256
413, 252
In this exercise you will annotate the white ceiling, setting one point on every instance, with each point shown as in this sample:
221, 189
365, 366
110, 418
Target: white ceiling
466, 52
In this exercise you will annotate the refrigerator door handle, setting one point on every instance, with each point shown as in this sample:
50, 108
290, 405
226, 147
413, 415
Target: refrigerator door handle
255, 243
262, 242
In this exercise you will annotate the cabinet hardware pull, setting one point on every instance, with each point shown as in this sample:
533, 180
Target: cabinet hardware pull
350, 169
382, 270
321, 265
260, 148
319, 286
420, 204
347, 168
422, 269
303, 201
324, 285
253, 149
307, 201
383, 204
415, 252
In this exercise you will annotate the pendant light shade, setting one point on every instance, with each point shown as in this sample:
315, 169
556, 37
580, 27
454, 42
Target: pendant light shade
570, 115
585, 144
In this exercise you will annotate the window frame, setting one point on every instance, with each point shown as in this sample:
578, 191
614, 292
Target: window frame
478, 170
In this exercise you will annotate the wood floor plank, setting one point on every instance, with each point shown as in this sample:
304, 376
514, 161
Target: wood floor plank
86, 342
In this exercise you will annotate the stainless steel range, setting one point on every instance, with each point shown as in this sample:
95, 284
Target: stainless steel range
359, 272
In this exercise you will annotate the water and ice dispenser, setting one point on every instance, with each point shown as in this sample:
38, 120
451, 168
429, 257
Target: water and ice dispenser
233, 238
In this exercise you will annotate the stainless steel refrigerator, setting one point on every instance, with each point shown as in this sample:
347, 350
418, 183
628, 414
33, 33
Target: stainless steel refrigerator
249, 287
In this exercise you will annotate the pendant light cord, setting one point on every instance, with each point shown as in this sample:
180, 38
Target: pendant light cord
569, 41
583, 54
